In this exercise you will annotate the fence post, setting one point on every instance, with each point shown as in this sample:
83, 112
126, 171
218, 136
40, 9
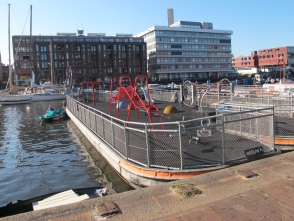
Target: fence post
95, 122
147, 145
103, 132
112, 132
232, 90
256, 125
180, 141
194, 94
181, 99
240, 124
126, 141
223, 138
273, 127
89, 118
84, 114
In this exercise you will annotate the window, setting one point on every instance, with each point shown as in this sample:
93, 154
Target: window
43, 57
77, 47
176, 46
43, 48
176, 53
93, 47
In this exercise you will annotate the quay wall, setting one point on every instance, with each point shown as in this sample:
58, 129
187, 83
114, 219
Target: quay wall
113, 158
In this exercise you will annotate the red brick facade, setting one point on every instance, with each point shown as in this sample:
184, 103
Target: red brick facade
245, 61
272, 56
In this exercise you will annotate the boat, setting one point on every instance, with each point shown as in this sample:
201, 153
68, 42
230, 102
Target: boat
7, 98
52, 199
53, 115
14, 99
49, 84
47, 95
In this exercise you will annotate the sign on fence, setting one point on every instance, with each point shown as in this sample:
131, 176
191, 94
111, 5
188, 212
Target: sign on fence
203, 133
254, 152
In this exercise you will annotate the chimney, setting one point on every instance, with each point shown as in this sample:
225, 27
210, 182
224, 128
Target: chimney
170, 16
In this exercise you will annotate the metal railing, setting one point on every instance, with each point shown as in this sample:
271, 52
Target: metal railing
283, 115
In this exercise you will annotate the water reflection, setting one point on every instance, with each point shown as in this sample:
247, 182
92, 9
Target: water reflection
39, 158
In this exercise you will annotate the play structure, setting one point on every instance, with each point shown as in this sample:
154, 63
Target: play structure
128, 96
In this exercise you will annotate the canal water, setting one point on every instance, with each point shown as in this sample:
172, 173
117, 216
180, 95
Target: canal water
40, 158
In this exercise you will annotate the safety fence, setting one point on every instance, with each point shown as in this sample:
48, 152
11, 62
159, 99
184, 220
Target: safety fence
193, 143
283, 116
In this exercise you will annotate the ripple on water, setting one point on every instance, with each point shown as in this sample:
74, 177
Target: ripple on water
39, 158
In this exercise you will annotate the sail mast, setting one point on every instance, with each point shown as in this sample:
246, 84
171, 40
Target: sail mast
9, 67
31, 46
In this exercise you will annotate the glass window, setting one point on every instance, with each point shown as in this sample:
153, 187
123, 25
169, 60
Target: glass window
43, 48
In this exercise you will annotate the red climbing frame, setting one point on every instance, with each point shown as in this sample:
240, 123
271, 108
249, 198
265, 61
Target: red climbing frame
136, 102
114, 100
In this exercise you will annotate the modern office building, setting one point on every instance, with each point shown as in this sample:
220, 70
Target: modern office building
187, 50
266, 60
95, 57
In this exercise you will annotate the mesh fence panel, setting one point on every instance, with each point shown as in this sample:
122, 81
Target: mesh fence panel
99, 126
201, 151
119, 139
284, 121
92, 124
107, 131
244, 131
137, 147
164, 150
165, 95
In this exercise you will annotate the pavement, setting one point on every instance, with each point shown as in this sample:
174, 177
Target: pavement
258, 190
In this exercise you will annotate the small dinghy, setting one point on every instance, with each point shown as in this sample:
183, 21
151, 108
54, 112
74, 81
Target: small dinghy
53, 115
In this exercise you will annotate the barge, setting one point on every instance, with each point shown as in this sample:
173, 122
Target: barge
149, 144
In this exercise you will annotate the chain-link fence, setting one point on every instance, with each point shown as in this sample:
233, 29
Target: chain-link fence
195, 143
283, 116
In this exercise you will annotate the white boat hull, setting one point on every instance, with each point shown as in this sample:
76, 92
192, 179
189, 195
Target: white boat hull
47, 97
8, 100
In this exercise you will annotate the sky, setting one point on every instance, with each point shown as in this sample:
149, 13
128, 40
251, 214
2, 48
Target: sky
256, 24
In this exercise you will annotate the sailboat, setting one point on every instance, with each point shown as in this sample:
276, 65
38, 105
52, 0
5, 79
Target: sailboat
7, 98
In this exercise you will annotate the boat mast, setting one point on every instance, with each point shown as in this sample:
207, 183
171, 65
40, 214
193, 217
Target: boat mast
9, 67
31, 47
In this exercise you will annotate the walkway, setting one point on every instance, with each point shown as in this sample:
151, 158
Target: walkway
271, 202
262, 189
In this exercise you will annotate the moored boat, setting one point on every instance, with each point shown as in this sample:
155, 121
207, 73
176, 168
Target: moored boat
53, 115
14, 99
48, 96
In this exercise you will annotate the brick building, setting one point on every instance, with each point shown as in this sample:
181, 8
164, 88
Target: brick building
246, 65
95, 57
266, 60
